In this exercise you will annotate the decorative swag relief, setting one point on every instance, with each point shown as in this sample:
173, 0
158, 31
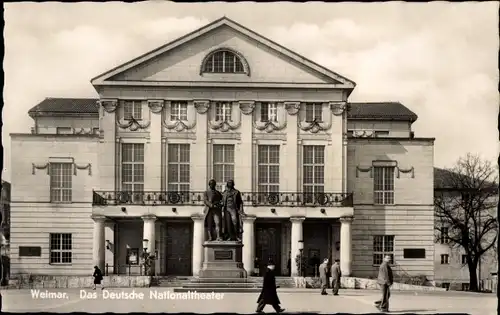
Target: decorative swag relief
134, 123
315, 125
75, 168
224, 116
179, 122
398, 169
273, 123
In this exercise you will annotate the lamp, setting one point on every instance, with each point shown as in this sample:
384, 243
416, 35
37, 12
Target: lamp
301, 250
108, 244
145, 243
147, 258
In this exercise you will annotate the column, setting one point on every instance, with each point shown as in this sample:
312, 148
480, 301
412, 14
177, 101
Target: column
345, 246
248, 243
109, 236
99, 246
149, 234
198, 239
296, 237
152, 154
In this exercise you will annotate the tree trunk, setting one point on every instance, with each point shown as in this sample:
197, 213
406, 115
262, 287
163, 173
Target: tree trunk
473, 285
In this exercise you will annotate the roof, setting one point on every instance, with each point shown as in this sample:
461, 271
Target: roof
381, 110
224, 21
65, 105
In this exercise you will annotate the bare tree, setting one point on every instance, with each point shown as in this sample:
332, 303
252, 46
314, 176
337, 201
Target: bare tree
465, 202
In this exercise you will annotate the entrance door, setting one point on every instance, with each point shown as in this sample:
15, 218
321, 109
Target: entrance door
268, 245
179, 248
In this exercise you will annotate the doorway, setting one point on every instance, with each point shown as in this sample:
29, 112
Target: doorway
268, 245
179, 248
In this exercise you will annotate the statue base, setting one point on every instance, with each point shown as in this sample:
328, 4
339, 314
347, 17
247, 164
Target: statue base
223, 259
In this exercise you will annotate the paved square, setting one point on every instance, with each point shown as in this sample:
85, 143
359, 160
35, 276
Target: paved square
349, 301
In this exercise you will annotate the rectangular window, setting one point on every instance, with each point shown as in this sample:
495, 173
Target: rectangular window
61, 248
223, 164
133, 169
178, 111
464, 259
132, 109
313, 163
314, 112
414, 253
30, 251
268, 112
269, 168
223, 111
61, 175
443, 238
179, 175
64, 130
445, 259
383, 245
383, 185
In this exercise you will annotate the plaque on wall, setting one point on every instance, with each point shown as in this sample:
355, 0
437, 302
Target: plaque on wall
414, 253
223, 255
30, 251
132, 257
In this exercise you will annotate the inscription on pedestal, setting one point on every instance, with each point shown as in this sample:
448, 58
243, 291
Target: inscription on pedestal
223, 255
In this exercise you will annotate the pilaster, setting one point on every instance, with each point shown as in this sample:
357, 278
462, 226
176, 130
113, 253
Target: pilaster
199, 149
99, 246
107, 152
152, 156
291, 149
243, 151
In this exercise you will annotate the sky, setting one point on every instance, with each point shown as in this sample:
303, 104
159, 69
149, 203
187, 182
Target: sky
439, 59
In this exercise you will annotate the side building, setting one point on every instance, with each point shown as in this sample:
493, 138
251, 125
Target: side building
320, 176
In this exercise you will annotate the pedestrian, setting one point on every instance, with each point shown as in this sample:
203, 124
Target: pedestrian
385, 281
269, 295
98, 277
336, 274
323, 276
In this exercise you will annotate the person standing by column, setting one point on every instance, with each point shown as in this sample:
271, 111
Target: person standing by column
385, 281
323, 276
336, 274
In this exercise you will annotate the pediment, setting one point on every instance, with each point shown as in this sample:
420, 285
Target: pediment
181, 61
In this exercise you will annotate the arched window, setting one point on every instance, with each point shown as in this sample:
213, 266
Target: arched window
223, 61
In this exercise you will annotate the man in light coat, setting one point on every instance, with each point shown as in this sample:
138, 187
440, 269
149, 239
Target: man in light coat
336, 274
323, 276
385, 280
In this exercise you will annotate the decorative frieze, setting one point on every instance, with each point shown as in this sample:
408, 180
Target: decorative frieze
47, 167
364, 170
410, 170
247, 107
338, 108
279, 123
201, 106
177, 123
83, 167
317, 125
224, 124
40, 167
109, 105
133, 124
292, 108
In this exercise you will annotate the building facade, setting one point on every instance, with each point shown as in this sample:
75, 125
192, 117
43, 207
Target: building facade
97, 176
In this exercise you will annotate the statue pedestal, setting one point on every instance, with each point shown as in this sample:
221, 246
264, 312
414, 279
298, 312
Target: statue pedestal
223, 259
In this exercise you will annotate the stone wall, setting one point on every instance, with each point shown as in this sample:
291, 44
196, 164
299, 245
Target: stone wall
39, 282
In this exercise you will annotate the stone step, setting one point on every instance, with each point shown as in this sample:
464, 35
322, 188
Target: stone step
219, 290
222, 280
221, 285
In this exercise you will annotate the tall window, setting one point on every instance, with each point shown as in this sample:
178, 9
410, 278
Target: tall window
223, 111
443, 237
178, 167
314, 112
133, 167
223, 62
383, 245
132, 109
60, 248
268, 112
313, 171
61, 175
178, 111
383, 188
445, 259
223, 164
269, 168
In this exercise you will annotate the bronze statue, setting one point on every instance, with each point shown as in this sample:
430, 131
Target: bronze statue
213, 212
232, 212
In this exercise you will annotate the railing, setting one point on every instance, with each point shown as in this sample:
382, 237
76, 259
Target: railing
128, 270
278, 199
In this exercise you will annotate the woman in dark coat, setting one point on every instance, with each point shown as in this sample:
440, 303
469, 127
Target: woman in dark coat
268, 295
97, 277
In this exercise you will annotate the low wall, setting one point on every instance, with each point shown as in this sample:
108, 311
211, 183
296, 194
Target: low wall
361, 283
113, 281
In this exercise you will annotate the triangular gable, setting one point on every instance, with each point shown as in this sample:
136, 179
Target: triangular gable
340, 80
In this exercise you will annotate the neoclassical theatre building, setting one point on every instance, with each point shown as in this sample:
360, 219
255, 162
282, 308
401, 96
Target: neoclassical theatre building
319, 175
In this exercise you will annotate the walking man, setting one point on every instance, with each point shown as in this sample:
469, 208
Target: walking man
269, 295
323, 276
385, 281
336, 274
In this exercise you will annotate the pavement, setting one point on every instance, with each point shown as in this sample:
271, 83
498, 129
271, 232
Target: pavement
156, 300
